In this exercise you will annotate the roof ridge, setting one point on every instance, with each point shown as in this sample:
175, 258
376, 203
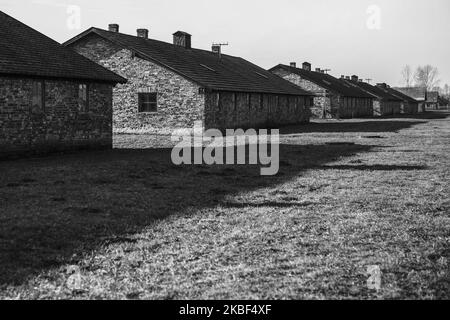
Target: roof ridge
160, 41
232, 73
327, 81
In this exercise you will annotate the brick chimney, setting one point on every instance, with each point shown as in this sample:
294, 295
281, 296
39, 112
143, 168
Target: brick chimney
382, 85
306, 66
216, 49
182, 39
347, 78
142, 33
342, 76
293, 64
318, 70
113, 27
355, 78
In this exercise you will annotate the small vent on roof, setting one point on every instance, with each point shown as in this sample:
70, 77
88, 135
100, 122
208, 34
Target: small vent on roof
208, 68
262, 75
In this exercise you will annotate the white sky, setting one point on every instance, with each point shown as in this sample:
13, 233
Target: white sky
328, 33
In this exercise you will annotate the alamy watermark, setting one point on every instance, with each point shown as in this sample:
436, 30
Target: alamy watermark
74, 17
237, 147
374, 20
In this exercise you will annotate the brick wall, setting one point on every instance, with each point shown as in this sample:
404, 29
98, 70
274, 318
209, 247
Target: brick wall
409, 108
228, 110
179, 102
60, 125
322, 107
328, 104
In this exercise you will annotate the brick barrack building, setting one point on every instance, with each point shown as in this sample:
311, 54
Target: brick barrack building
408, 104
51, 99
334, 99
172, 85
384, 104
419, 94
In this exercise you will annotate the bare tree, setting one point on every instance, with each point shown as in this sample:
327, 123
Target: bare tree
446, 90
426, 76
407, 75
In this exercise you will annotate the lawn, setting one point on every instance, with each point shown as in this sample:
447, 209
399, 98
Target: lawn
128, 224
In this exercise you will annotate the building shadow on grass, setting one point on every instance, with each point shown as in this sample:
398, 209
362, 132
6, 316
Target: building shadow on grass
385, 124
347, 126
56, 209
377, 167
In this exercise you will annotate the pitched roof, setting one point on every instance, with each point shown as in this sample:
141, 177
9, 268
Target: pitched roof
376, 91
26, 52
326, 81
205, 68
401, 95
417, 93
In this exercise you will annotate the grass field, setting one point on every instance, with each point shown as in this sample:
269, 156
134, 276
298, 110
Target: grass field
128, 224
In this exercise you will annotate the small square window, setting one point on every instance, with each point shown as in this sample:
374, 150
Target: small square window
148, 102
83, 98
38, 96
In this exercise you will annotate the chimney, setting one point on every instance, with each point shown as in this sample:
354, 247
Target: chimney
382, 85
318, 70
306, 66
182, 39
360, 80
342, 76
142, 33
293, 65
355, 78
216, 49
347, 77
113, 27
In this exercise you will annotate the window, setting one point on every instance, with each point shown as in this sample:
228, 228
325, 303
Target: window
207, 68
83, 98
262, 75
38, 96
148, 102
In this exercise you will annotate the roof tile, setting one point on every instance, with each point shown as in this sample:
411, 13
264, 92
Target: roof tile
27, 52
224, 73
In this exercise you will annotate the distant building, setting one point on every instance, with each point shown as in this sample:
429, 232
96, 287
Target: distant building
444, 102
385, 104
51, 98
417, 93
334, 98
408, 105
432, 102
172, 85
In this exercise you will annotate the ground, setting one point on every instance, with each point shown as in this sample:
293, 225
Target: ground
128, 224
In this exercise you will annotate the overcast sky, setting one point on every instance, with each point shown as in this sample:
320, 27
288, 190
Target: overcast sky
370, 38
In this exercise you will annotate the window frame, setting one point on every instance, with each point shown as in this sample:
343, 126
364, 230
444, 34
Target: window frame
41, 95
83, 98
149, 102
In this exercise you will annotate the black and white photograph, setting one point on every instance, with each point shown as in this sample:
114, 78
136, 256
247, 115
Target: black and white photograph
244, 151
